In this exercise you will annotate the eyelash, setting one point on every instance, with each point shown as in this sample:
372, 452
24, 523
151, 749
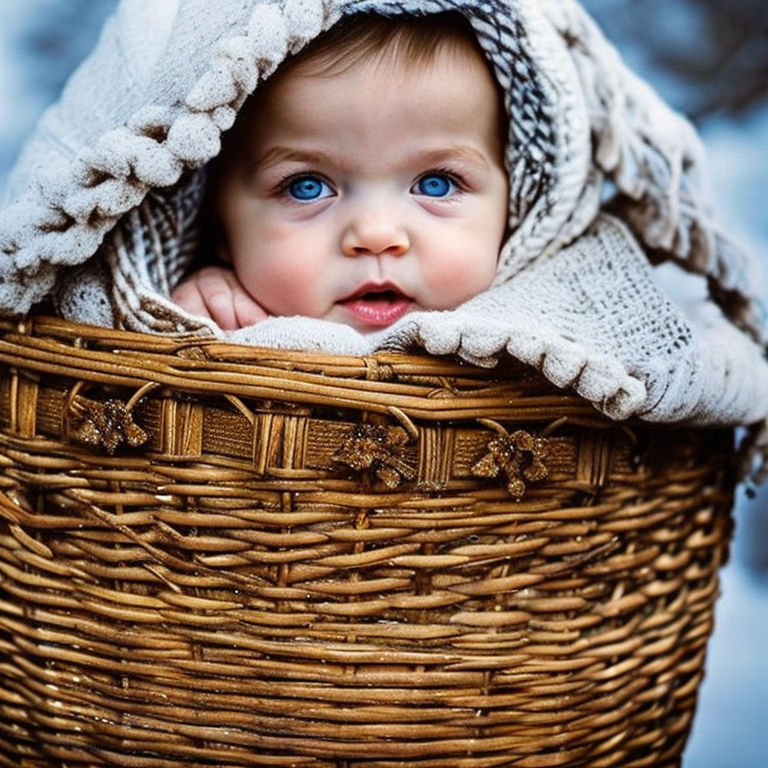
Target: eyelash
284, 184
459, 185
450, 173
282, 187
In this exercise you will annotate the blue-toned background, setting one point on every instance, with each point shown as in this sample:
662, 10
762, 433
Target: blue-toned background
710, 59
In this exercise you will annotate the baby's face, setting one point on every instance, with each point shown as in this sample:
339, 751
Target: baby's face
359, 196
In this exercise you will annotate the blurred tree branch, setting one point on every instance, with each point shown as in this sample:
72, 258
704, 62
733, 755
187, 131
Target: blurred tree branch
717, 50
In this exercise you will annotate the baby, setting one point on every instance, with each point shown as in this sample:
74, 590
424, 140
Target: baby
490, 182
364, 180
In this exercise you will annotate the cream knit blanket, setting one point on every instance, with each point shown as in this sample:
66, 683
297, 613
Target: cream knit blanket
101, 207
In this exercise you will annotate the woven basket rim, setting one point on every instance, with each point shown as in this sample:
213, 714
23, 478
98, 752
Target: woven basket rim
414, 384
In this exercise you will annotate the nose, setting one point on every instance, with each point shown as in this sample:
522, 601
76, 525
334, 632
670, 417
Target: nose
376, 232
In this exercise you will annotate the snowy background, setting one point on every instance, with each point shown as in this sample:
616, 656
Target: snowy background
707, 57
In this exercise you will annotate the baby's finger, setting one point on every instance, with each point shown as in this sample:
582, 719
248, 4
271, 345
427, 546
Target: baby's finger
188, 297
217, 290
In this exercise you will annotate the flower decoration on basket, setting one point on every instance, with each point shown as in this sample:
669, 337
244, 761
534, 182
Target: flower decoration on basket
378, 448
106, 424
519, 456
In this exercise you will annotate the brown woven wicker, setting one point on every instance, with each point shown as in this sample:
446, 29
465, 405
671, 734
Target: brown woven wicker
219, 555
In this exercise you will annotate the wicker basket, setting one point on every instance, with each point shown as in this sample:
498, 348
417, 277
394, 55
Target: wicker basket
219, 555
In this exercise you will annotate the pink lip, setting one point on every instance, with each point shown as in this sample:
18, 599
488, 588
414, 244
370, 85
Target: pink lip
377, 304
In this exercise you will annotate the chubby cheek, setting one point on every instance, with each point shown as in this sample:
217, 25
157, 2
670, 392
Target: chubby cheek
277, 262
284, 282
457, 274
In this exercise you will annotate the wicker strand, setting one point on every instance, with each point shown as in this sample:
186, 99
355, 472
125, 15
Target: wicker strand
318, 561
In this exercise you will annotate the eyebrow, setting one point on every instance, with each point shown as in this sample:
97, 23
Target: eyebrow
453, 152
281, 154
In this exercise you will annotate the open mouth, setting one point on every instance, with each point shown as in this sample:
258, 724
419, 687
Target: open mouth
377, 306
383, 297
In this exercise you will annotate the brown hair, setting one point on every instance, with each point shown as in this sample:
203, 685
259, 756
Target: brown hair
413, 40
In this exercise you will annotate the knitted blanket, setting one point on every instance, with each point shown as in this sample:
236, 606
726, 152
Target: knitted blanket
102, 206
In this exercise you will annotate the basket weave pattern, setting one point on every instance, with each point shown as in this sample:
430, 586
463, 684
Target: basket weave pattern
215, 555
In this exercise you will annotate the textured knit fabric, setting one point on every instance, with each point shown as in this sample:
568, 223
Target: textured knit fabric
102, 207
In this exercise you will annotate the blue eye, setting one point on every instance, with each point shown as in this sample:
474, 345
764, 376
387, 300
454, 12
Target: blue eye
307, 189
435, 185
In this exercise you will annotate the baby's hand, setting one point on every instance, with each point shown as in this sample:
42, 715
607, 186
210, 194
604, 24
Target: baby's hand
217, 293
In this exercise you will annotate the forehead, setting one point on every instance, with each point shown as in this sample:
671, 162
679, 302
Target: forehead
452, 89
